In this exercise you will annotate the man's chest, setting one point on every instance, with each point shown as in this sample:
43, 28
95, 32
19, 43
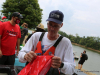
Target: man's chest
11, 31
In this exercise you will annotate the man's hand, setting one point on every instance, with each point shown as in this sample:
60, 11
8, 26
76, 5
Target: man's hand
30, 56
56, 62
0, 53
17, 52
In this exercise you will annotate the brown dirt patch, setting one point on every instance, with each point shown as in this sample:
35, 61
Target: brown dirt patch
85, 71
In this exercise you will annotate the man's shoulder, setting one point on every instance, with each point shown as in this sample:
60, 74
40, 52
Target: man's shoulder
4, 24
65, 42
83, 54
17, 26
66, 39
7, 22
38, 34
26, 29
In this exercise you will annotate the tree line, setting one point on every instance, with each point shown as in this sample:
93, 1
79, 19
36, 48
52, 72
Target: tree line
89, 41
30, 9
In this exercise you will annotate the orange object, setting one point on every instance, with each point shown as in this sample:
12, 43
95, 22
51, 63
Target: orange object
42, 64
48, 52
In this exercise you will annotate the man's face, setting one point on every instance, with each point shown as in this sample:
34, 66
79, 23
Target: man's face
53, 27
83, 51
16, 20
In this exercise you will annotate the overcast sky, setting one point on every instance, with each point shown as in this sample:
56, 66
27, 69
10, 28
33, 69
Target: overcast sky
81, 17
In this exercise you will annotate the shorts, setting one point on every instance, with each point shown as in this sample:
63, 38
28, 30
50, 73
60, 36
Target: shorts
81, 62
7, 60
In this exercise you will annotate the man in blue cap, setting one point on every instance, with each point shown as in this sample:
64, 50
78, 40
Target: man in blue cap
9, 37
63, 54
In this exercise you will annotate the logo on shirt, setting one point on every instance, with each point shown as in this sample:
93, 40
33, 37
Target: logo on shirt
12, 29
45, 48
12, 33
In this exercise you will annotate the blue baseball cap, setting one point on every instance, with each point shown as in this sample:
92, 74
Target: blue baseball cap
56, 16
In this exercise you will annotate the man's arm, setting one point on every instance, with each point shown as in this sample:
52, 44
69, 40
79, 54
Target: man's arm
0, 42
68, 62
0, 47
28, 38
25, 54
18, 45
1, 32
81, 55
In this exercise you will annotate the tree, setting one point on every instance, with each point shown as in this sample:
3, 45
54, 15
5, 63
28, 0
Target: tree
63, 33
30, 10
0, 17
82, 41
77, 39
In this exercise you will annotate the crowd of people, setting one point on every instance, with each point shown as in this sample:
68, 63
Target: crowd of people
39, 43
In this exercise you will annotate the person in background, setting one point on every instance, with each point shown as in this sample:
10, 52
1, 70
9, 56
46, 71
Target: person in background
24, 32
39, 28
3, 19
22, 26
63, 54
82, 60
10, 38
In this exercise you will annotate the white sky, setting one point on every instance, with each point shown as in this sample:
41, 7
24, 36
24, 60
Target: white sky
81, 17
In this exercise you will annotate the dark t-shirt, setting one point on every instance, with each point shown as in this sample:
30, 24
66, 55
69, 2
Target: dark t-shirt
83, 57
24, 32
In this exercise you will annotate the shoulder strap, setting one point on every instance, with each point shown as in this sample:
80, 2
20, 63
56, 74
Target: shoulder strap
40, 39
57, 42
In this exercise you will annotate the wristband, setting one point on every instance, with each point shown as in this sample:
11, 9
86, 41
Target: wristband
62, 64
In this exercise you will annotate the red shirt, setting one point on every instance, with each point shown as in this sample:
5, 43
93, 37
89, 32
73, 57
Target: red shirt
1, 22
9, 35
